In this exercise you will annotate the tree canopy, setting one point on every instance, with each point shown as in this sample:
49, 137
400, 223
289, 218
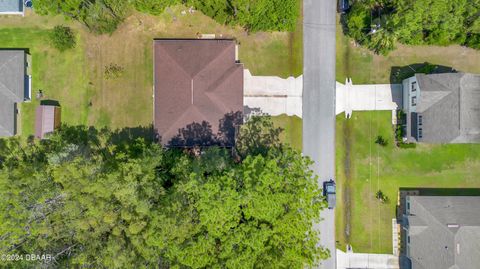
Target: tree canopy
379, 24
100, 16
103, 16
62, 38
254, 15
98, 198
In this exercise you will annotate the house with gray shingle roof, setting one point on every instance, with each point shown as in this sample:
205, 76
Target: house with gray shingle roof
442, 108
442, 232
11, 7
14, 88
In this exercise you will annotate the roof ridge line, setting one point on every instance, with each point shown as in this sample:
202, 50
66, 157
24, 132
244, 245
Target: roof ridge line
9, 91
176, 63
183, 114
5, 86
434, 218
220, 81
225, 49
5, 129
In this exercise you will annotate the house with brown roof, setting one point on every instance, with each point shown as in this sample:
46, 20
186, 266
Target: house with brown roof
47, 120
198, 92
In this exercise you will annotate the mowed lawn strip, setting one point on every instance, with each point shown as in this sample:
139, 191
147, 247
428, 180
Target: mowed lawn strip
292, 130
390, 168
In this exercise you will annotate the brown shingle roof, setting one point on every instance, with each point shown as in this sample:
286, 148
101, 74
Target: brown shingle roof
47, 119
196, 82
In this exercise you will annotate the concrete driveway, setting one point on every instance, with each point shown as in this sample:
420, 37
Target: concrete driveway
366, 261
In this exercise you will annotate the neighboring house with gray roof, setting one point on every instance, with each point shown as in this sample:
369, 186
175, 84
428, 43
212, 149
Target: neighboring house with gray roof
11, 7
14, 88
442, 108
442, 232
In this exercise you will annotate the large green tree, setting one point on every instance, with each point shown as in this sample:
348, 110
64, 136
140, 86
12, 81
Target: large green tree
378, 24
109, 200
254, 15
103, 16
100, 16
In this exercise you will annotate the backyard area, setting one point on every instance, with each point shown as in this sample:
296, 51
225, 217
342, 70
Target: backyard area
76, 78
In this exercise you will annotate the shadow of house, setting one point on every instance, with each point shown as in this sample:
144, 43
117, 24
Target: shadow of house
399, 73
203, 135
49, 103
403, 192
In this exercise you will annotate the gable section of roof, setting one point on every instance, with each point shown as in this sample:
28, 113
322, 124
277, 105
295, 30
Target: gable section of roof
219, 92
193, 55
11, 6
7, 116
467, 247
189, 116
470, 107
12, 74
437, 245
430, 98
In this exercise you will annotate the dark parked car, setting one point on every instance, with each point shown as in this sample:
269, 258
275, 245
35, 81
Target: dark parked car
343, 6
329, 192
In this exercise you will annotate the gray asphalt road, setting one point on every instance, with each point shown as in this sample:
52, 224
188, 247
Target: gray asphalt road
319, 104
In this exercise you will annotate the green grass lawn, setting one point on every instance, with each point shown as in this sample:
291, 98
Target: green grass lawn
352, 61
279, 54
374, 168
61, 76
292, 130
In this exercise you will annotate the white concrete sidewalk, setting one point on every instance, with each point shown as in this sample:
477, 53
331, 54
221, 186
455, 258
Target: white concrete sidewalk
369, 97
366, 261
275, 96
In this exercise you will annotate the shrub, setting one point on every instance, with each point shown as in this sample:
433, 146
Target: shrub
407, 145
259, 15
100, 16
381, 141
113, 71
62, 38
399, 133
382, 197
153, 7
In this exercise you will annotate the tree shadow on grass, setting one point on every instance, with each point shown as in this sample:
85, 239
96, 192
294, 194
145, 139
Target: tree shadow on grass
121, 138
